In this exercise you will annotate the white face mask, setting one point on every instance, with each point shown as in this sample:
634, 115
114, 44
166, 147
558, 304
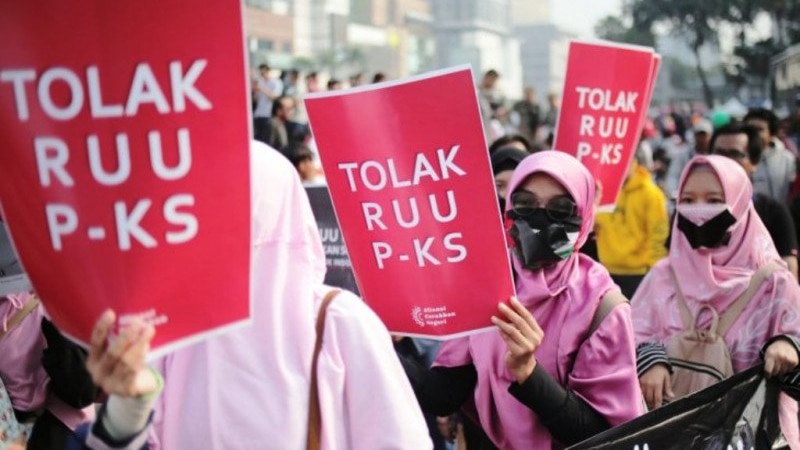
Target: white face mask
700, 213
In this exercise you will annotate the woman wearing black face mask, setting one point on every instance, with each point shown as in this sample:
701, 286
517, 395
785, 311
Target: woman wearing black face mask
544, 378
718, 246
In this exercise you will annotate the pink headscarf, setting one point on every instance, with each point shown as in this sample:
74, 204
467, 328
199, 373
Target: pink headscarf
717, 277
249, 388
21, 355
601, 368
21, 368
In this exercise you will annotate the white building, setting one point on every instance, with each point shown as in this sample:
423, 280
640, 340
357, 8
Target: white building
544, 49
479, 33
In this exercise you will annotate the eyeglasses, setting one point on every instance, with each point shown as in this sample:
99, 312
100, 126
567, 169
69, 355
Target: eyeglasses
557, 208
731, 153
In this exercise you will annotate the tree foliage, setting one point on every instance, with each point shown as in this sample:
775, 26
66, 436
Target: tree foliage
613, 28
698, 22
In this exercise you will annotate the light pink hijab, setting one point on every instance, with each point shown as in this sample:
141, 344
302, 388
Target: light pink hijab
21, 355
249, 388
601, 368
717, 277
21, 368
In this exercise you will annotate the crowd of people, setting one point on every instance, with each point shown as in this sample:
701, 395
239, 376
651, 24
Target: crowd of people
703, 240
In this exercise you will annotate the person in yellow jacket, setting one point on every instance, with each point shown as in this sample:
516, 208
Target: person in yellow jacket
631, 239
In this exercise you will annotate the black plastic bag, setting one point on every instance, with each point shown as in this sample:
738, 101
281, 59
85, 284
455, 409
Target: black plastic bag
738, 413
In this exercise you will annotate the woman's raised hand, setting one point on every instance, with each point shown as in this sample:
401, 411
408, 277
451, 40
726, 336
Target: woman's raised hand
117, 363
522, 335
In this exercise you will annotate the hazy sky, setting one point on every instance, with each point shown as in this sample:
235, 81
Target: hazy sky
580, 16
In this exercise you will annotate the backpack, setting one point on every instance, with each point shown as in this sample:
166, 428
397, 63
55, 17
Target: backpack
700, 358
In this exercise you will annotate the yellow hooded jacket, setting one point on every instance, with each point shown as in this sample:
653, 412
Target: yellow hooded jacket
631, 239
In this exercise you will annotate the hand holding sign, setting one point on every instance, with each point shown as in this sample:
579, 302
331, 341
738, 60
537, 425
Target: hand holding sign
522, 334
117, 363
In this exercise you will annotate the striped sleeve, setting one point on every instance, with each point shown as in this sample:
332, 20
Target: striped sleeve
648, 354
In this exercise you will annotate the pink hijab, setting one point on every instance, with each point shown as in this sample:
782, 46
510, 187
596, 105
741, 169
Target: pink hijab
601, 368
717, 277
21, 355
21, 368
249, 388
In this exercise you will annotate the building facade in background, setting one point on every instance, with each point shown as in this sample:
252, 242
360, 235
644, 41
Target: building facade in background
340, 38
479, 33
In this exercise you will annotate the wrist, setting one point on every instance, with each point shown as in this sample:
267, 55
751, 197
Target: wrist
525, 371
150, 383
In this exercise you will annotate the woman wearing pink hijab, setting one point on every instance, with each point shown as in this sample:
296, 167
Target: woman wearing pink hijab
249, 389
718, 244
547, 377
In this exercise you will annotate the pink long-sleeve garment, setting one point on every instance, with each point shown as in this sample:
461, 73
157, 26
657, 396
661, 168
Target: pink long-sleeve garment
248, 389
563, 298
717, 277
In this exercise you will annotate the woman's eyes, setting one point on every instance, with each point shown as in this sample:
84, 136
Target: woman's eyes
712, 201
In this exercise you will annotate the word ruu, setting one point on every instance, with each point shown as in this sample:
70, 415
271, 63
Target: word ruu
408, 211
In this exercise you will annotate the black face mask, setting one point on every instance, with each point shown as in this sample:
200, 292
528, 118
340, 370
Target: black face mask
536, 249
502, 204
711, 234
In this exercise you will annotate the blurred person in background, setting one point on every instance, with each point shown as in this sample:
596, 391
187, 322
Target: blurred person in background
631, 239
776, 171
526, 114
742, 143
702, 130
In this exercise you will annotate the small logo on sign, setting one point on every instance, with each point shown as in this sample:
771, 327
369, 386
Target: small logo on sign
431, 316
416, 314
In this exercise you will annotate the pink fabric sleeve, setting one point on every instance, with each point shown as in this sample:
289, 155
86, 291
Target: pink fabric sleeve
454, 353
379, 409
647, 308
155, 430
604, 374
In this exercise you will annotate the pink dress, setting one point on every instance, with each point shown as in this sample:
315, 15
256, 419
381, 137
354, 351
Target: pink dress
717, 277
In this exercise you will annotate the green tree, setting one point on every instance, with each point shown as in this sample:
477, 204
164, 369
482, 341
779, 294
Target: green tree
695, 20
613, 28
785, 15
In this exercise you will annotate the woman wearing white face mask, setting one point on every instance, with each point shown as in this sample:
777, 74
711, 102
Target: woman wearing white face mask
722, 278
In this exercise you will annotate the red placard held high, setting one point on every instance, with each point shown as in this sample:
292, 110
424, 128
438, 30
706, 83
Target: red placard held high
409, 175
606, 93
124, 166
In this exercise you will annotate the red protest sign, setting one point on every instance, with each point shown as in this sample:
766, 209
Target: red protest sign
606, 92
124, 171
409, 175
